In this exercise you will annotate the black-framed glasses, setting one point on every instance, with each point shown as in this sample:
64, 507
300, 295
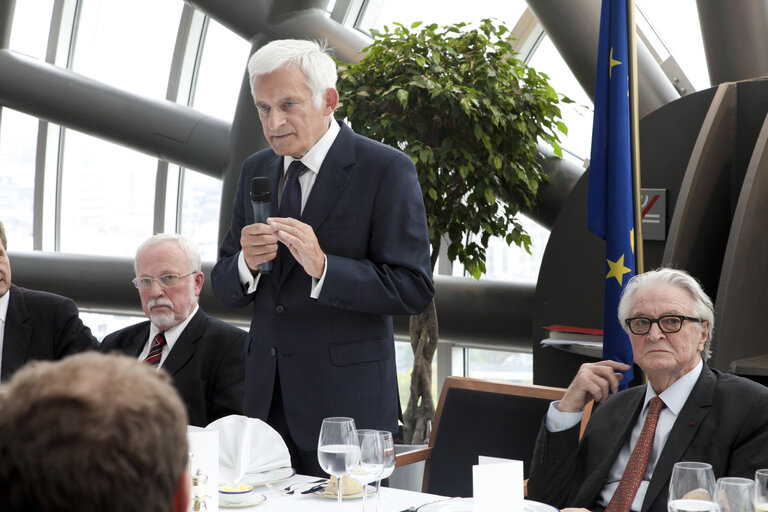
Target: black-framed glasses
669, 324
165, 281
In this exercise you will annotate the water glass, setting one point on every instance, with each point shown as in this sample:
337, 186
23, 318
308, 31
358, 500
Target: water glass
691, 488
734, 494
388, 445
370, 462
338, 450
761, 490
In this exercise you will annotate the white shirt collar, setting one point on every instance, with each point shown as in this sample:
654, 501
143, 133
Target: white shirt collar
4, 305
313, 159
172, 334
676, 395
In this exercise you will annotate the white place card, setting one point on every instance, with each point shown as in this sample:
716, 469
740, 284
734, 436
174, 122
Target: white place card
204, 460
497, 484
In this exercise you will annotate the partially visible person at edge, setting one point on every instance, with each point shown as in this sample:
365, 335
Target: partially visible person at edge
203, 355
92, 432
352, 251
36, 324
705, 415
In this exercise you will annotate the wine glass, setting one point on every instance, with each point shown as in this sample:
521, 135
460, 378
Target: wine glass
691, 488
337, 449
761, 490
370, 462
388, 445
734, 494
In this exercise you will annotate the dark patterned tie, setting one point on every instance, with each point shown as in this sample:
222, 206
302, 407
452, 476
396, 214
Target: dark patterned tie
290, 202
638, 461
156, 350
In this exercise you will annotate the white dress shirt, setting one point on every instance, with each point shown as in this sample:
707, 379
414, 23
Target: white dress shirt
3, 314
312, 160
674, 398
171, 336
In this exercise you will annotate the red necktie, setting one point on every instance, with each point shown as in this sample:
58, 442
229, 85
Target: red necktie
156, 350
638, 462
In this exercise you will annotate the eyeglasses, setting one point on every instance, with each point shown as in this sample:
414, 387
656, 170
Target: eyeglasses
165, 281
669, 324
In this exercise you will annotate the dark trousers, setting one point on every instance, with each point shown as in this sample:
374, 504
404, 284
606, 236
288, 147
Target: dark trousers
304, 461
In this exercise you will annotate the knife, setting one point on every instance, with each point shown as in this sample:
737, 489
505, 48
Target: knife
315, 488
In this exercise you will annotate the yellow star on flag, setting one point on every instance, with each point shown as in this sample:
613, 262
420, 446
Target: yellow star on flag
617, 269
613, 63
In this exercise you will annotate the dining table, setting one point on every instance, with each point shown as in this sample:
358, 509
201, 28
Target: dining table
391, 499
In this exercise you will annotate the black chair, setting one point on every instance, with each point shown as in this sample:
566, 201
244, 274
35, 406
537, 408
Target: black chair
476, 417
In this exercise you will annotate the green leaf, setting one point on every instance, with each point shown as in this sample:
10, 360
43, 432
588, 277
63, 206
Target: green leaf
402, 95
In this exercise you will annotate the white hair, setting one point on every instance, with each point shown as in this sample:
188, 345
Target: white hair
701, 303
186, 245
312, 58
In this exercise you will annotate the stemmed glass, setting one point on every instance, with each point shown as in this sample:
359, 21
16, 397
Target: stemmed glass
371, 460
388, 446
734, 494
761, 490
338, 450
691, 487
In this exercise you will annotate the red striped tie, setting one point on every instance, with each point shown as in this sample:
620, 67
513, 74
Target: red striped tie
156, 350
638, 461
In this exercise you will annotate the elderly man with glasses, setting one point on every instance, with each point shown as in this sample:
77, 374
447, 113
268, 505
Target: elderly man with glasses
203, 355
686, 412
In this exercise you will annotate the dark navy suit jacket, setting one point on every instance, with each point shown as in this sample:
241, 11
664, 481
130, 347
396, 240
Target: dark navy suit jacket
724, 422
41, 325
206, 364
335, 354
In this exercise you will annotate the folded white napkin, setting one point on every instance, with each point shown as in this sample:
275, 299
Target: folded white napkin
248, 445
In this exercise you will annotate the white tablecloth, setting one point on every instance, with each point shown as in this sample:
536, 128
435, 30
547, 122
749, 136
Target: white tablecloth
392, 500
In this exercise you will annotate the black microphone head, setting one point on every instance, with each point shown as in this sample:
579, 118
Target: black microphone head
261, 189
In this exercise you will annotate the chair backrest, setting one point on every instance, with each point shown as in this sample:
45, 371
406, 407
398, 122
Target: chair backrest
476, 417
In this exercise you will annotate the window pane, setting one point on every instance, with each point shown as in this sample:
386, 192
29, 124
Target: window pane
101, 325
200, 212
515, 367
31, 24
678, 26
108, 196
18, 140
384, 12
224, 60
577, 116
128, 44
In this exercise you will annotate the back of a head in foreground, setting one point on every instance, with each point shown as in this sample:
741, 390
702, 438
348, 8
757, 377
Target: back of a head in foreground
91, 432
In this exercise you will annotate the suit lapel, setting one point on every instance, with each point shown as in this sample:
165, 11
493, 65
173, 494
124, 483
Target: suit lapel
17, 335
136, 344
692, 415
622, 420
185, 346
329, 184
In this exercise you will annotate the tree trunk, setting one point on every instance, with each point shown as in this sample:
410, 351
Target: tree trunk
421, 406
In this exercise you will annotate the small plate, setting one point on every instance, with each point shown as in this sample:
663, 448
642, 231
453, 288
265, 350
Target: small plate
466, 505
269, 477
258, 499
356, 496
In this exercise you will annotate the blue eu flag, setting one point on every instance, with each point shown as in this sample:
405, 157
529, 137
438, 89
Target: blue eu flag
609, 212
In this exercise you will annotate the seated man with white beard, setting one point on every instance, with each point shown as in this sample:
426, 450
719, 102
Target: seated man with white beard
203, 355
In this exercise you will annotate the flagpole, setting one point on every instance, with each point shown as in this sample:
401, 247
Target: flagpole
634, 123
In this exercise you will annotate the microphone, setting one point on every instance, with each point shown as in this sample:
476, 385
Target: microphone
261, 200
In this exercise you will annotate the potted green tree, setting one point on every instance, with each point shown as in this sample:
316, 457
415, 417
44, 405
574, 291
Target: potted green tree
470, 114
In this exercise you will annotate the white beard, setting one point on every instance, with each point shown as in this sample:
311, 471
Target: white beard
161, 319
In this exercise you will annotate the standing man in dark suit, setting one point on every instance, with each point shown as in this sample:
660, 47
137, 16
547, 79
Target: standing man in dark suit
704, 415
351, 252
203, 355
36, 324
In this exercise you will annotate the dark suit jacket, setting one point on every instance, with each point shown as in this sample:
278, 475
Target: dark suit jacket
41, 325
724, 422
206, 364
335, 354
